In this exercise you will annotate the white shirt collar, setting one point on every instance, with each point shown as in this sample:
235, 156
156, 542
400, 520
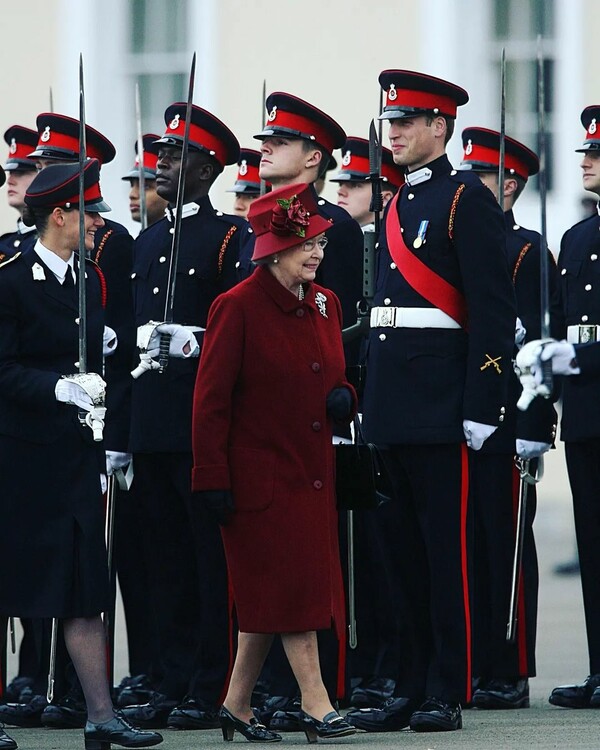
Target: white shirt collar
418, 176
189, 209
57, 265
22, 228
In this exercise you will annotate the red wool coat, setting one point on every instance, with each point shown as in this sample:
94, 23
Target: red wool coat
260, 428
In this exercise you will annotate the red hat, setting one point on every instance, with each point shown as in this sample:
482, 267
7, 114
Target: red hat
20, 141
590, 119
248, 180
285, 218
355, 164
409, 94
482, 153
59, 139
58, 186
293, 117
207, 133
150, 158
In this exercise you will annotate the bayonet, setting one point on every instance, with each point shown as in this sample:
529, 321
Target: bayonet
140, 155
263, 183
502, 150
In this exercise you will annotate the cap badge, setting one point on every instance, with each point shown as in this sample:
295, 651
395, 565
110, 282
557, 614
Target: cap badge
45, 136
272, 114
392, 93
13, 146
593, 126
469, 148
243, 167
347, 158
174, 124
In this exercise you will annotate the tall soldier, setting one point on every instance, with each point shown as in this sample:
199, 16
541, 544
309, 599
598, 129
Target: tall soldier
247, 185
502, 669
439, 363
188, 580
155, 205
578, 264
20, 171
296, 146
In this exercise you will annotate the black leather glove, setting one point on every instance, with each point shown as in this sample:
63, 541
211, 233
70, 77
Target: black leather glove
339, 403
219, 503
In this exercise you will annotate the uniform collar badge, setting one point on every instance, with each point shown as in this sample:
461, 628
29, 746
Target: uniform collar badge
418, 176
38, 272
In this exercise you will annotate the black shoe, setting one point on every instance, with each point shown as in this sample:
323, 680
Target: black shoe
595, 699
193, 714
151, 715
393, 716
287, 719
501, 694
276, 704
117, 731
253, 732
24, 714
332, 726
436, 715
571, 696
6, 742
372, 693
134, 691
13, 691
67, 713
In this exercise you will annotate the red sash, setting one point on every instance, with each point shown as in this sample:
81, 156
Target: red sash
423, 279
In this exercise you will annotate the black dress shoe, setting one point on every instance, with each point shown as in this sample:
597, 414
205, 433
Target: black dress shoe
24, 714
595, 699
373, 692
502, 694
254, 731
67, 713
134, 691
13, 691
6, 742
276, 704
193, 714
393, 716
333, 725
287, 720
117, 731
436, 715
151, 715
573, 696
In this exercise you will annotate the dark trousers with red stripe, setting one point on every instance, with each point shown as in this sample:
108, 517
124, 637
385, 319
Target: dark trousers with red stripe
431, 546
583, 464
494, 490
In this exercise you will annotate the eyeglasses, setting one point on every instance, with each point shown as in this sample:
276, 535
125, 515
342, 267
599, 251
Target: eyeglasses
309, 245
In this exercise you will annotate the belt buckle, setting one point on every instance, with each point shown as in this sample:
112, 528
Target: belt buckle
588, 334
387, 317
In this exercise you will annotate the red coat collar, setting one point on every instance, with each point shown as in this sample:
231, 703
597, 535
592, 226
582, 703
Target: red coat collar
282, 296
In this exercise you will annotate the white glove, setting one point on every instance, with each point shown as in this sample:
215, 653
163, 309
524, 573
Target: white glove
520, 333
116, 460
109, 341
563, 358
182, 341
477, 433
528, 366
531, 448
83, 390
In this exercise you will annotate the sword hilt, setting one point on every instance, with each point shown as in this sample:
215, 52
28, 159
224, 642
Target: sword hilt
163, 355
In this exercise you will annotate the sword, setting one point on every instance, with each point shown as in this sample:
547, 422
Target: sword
263, 183
544, 272
163, 357
13, 640
501, 159
109, 616
352, 637
82, 250
52, 666
140, 154
51, 96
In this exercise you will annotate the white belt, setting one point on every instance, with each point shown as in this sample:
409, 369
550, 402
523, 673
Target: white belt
411, 317
582, 334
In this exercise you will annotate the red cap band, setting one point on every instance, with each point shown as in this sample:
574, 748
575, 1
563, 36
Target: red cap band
400, 98
280, 119
486, 155
52, 139
91, 195
199, 136
150, 160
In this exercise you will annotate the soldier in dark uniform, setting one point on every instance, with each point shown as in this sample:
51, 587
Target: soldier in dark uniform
297, 142
21, 170
438, 363
63, 565
502, 669
247, 184
155, 205
188, 580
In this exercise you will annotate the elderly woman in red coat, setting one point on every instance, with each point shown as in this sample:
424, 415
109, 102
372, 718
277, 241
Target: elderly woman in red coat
270, 381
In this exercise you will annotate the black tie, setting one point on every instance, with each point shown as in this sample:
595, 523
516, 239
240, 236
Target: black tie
68, 283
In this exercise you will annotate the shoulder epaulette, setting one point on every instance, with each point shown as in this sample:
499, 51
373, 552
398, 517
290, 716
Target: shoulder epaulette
10, 260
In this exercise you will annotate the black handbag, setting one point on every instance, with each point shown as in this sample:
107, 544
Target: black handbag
361, 478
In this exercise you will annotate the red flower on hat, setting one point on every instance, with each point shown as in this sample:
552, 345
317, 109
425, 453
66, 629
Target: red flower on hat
289, 217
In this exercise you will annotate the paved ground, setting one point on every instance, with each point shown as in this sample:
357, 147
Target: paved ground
561, 658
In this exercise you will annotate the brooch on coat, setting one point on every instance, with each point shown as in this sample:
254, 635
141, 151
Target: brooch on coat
320, 300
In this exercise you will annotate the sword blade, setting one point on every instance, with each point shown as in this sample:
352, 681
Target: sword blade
140, 153
263, 184
82, 251
501, 159
511, 628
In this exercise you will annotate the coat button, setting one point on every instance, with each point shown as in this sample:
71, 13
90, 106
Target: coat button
162, 259
516, 226
392, 266
249, 230
502, 410
316, 367
411, 196
501, 418
387, 301
156, 290
321, 202
133, 275
192, 271
219, 213
584, 318
588, 287
300, 313
77, 321
16, 243
172, 230
382, 337
563, 272
317, 484
316, 426
593, 256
